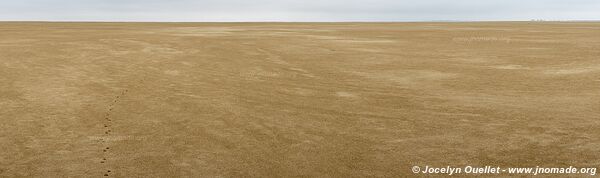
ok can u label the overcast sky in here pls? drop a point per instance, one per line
(297, 10)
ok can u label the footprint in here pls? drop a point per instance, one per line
(108, 125)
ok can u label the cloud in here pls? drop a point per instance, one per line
(298, 10)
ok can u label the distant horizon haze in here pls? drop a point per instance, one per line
(298, 11)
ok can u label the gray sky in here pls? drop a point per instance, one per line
(297, 10)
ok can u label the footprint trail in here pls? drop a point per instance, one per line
(107, 124)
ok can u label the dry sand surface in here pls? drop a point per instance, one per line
(295, 99)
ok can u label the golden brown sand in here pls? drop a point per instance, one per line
(295, 99)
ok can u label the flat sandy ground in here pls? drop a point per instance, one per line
(295, 99)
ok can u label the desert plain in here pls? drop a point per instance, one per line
(295, 99)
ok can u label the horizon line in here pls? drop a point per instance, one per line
(266, 21)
